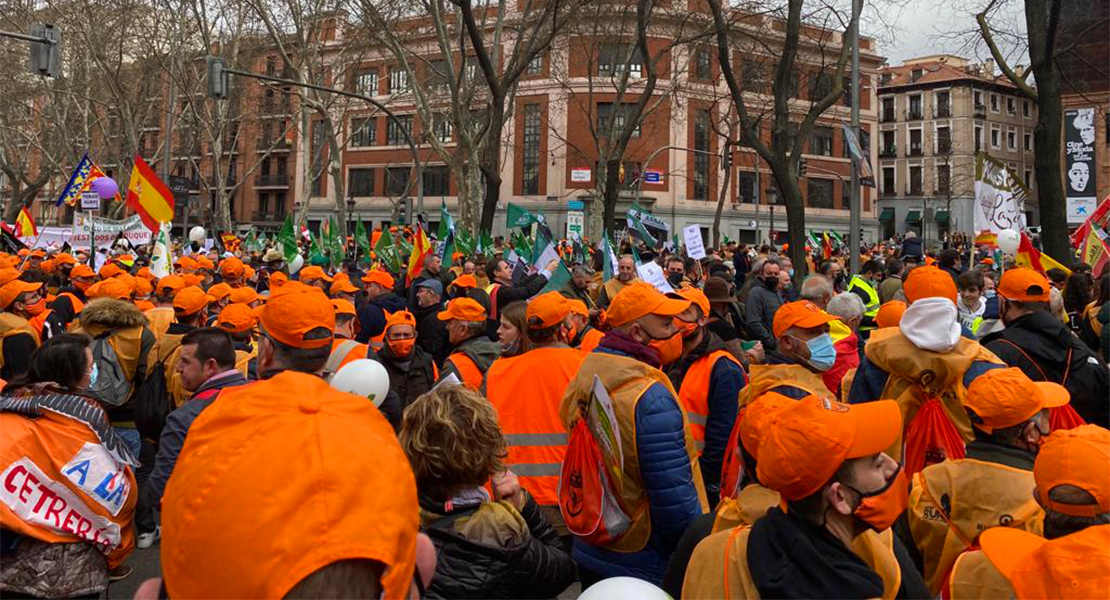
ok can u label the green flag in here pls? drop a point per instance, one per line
(609, 259)
(336, 246)
(386, 252)
(446, 223)
(361, 239)
(287, 238)
(485, 243)
(518, 217)
(521, 245)
(634, 219)
(464, 242)
(836, 236)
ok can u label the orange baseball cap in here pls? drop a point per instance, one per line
(110, 270)
(379, 277)
(1071, 567)
(220, 540)
(219, 291)
(142, 287)
(805, 442)
(578, 307)
(343, 307)
(1024, 285)
(170, 284)
(987, 261)
(465, 281)
(38, 253)
(243, 295)
(755, 417)
(81, 271)
(11, 290)
(203, 262)
(463, 309)
(232, 267)
(890, 314)
(1077, 457)
(1003, 398)
(64, 258)
(109, 288)
(293, 311)
(23, 251)
(929, 282)
(190, 299)
(342, 286)
(640, 298)
(187, 264)
(192, 279)
(236, 318)
(547, 310)
(696, 296)
(313, 273)
(401, 317)
(8, 274)
(248, 272)
(802, 314)
(47, 266)
(278, 279)
(145, 273)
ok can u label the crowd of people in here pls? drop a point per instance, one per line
(934, 424)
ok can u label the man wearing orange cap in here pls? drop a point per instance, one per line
(232, 271)
(709, 380)
(412, 372)
(342, 289)
(954, 500)
(585, 335)
(20, 301)
(219, 297)
(662, 489)
(472, 352)
(71, 300)
(239, 321)
(316, 277)
(928, 340)
(212, 526)
(190, 307)
(380, 302)
(1072, 561)
(344, 348)
(890, 314)
(841, 492)
(1044, 348)
(805, 351)
(535, 432)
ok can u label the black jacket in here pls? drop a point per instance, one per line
(537, 566)
(504, 295)
(431, 333)
(410, 378)
(371, 315)
(1045, 349)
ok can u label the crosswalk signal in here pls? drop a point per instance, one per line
(217, 77)
(46, 53)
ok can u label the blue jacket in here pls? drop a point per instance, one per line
(669, 484)
(371, 316)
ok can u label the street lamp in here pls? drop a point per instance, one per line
(350, 222)
(773, 199)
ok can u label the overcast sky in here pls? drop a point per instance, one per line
(923, 28)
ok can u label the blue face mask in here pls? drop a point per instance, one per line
(790, 272)
(822, 353)
(93, 375)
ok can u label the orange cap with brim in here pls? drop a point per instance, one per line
(465, 281)
(243, 295)
(295, 310)
(142, 287)
(219, 291)
(313, 273)
(8, 274)
(11, 290)
(755, 417)
(170, 284)
(379, 277)
(546, 310)
(1003, 398)
(343, 307)
(1075, 566)
(203, 262)
(1024, 285)
(578, 307)
(236, 318)
(806, 442)
(81, 271)
(109, 288)
(1078, 457)
(278, 279)
(342, 286)
(110, 270)
(187, 264)
(145, 273)
(802, 314)
(248, 272)
(890, 314)
(640, 298)
(232, 267)
(192, 279)
(463, 309)
(401, 317)
(696, 296)
(64, 258)
(929, 282)
(189, 300)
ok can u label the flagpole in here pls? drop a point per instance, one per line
(33, 246)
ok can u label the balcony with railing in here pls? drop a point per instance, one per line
(980, 111)
(888, 151)
(913, 113)
(942, 111)
(269, 217)
(280, 145)
(272, 180)
(887, 115)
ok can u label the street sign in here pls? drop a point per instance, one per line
(180, 186)
(751, 222)
(580, 175)
(653, 177)
(576, 205)
(90, 201)
(575, 221)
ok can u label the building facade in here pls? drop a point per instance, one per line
(935, 114)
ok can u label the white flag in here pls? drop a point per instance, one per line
(160, 262)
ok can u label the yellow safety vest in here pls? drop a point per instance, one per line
(767, 377)
(872, 305)
(952, 502)
(746, 508)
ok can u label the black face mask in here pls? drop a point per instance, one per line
(674, 278)
(772, 282)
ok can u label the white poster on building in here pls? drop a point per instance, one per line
(999, 196)
(107, 230)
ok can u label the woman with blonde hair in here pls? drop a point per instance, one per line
(499, 547)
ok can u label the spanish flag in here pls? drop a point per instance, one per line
(25, 225)
(421, 248)
(1028, 256)
(148, 196)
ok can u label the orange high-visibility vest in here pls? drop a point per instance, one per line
(530, 421)
(39, 320)
(749, 505)
(591, 340)
(344, 351)
(74, 301)
(469, 372)
(694, 394)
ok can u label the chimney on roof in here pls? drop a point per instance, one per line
(1019, 70)
(988, 67)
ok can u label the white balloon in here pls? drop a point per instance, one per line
(623, 587)
(296, 264)
(363, 377)
(1008, 241)
(196, 234)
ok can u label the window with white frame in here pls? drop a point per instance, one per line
(441, 127)
(1011, 105)
(1011, 140)
(1027, 139)
(1025, 112)
(364, 131)
(1028, 178)
(994, 103)
(398, 80)
(366, 82)
(996, 137)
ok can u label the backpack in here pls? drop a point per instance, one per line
(587, 502)
(931, 438)
(111, 387)
(152, 405)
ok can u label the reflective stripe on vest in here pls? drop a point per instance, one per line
(469, 373)
(694, 394)
(338, 353)
(873, 303)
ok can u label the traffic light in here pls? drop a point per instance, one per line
(407, 207)
(46, 55)
(217, 77)
(802, 167)
(726, 158)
